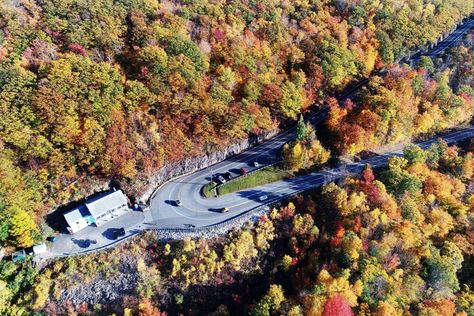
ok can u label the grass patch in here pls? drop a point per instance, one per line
(260, 177)
(209, 189)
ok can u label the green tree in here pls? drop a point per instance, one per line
(178, 44)
(414, 154)
(155, 58)
(426, 62)
(440, 270)
(300, 129)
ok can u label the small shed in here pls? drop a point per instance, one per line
(39, 249)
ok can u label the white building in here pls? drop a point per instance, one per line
(97, 210)
(77, 219)
(105, 207)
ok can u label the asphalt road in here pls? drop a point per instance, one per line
(201, 212)
(452, 39)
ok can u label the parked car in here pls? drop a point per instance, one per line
(118, 233)
(243, 171)
(178, 203)
(263, 197)
(224, 210)
(221, 179)
(256, 164)
(228, 175)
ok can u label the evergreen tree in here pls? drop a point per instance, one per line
(300, 129)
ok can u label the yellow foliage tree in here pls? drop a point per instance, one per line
(5, 297)
(23, 228)
(340, 285)
(41, 290)
(317, 154)
(293, 156)
(386, 309)
(351, 245)
(264, 232)
(240, 248)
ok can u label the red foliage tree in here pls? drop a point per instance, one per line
(368, 175)
(77, 49)
(271, 93)
(287, 212)
(338, 234)
(349, 105)
(337, 306)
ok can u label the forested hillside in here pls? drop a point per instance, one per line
(116, 89)
(405, 103)
(394, 241)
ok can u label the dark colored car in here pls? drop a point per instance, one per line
(119, 232)
(51, 238)
(228, 175)
(243, 171)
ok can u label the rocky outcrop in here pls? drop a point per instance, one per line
(103, 289)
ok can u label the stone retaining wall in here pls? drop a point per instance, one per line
(189, 165)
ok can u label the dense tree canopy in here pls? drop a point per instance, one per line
(94, 89)
(354, 247)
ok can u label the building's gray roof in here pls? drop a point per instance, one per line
(76, 214)
(105, 202)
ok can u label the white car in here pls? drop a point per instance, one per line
(178, 203)
(221, 179)
(263, 197)
(255, 164)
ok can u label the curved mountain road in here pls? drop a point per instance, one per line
(201, 212)
(197, 211)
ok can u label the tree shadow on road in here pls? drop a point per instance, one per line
(84, 243)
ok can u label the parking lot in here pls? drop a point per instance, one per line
(92, 237)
